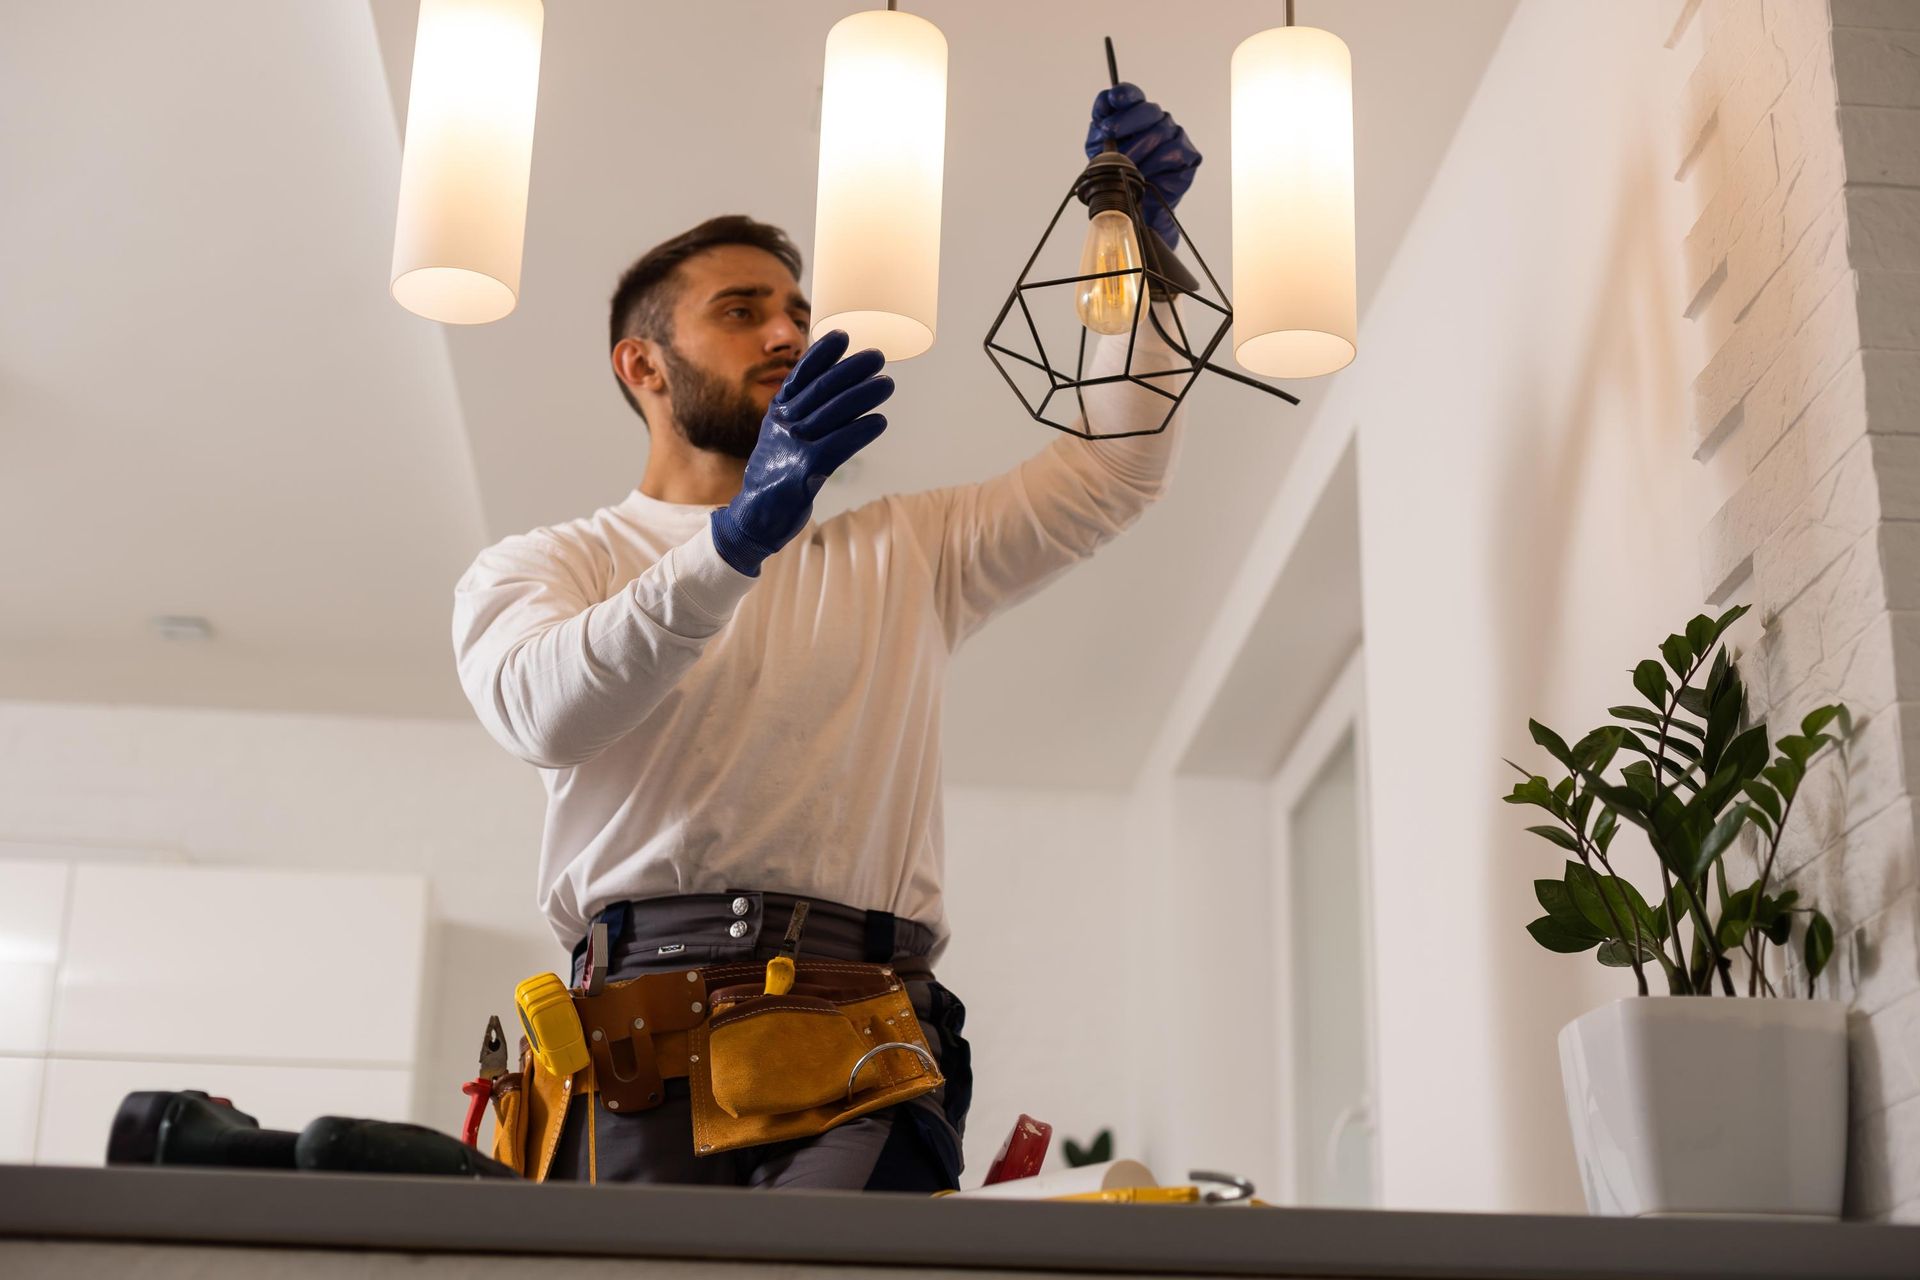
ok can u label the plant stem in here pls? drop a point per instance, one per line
(1639, 965)
(1660, 790)
(1668, 905)
(1766, 870)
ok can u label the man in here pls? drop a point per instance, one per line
(736, 707)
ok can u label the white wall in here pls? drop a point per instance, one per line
(312, 792)
(1528, 515)
(1529, 509)
(1035, 895)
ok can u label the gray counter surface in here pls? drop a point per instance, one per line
(431, 1215)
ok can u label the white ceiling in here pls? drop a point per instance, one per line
(209, 405)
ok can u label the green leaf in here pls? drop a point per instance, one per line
(1728, 618)
(1556, 745)
(1604, 827)
(1743, 759)
(1694, 701)
(1820, 717)
(1715, 843)
(1639, 779)
(1819, 946)
(1723, 720)
(1800, 748)
(1717, 676)
(1673, 837)
(1596, 751)
(1551, 936)
(1099, 1152)
(1785, 775)
(1587, 889)
(1534, 791)
(1672, 908)
(1748, 752)
(1765, 797)
(1701, 633)
(1734, 919)
(1617, 953)
(1779, 929)
(1640, 715)
(1677, 771)
(1627, 804)
(1678, 652)
(1557, 898)
(1558, 835)
(1675, 745)
(1650, 678)
(1563, 791)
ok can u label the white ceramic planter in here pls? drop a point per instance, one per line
(1698, 1105)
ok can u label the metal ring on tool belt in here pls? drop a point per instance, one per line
(866, 1057)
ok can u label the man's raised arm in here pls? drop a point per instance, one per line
(995, 543)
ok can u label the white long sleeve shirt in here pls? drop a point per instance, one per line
(701, 731)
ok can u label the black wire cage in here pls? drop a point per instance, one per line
(1112, 181)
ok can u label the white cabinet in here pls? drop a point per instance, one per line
(218, 965)
(19, 1090)
(296, 994)
(33, 903)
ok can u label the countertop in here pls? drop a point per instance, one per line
(307, 1212)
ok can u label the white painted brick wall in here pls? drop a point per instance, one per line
(1800, 131)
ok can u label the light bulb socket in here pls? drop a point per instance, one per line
(1111, 183)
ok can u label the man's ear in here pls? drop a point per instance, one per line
(636, 362)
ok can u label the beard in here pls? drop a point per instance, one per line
(714, 415)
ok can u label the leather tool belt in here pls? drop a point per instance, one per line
(841, 1042)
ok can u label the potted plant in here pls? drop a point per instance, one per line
(1688, 1103)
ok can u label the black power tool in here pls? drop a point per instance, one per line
(191, 1128)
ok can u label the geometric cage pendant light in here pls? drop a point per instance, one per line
(1099, 278)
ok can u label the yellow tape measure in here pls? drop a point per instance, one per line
(552, 1024)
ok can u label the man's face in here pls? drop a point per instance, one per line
(739, 324)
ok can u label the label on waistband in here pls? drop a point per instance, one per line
(672, 949)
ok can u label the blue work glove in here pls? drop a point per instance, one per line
(822, 416)
(1151, 139)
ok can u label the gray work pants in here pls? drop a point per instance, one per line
(913, 1147)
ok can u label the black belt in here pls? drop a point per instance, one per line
(880, 930)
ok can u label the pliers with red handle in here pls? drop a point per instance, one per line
(479, 1090)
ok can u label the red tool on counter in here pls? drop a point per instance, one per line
(1022, 1154)
(479, 1090)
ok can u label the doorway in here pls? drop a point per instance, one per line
(1323, 955)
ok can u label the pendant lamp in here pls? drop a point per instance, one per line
(469, 148)
(1293, 235)
(1123, 267)
(883, 130)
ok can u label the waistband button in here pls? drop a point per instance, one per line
(740, 906)
(738, 928)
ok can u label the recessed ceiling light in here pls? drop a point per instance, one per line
(182, 627)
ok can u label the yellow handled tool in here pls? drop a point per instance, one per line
(552, 1024)
(780, 970)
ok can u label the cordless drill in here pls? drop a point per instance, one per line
(189, 1127)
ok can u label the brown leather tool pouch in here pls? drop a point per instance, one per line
(510, 1120)
(544, 1100)
(768, 1068)
(637, 1033)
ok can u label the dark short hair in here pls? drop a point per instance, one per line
(642, 305)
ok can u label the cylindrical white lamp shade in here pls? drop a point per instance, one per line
(883, 142)
(1293, 281)
(469, 150)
